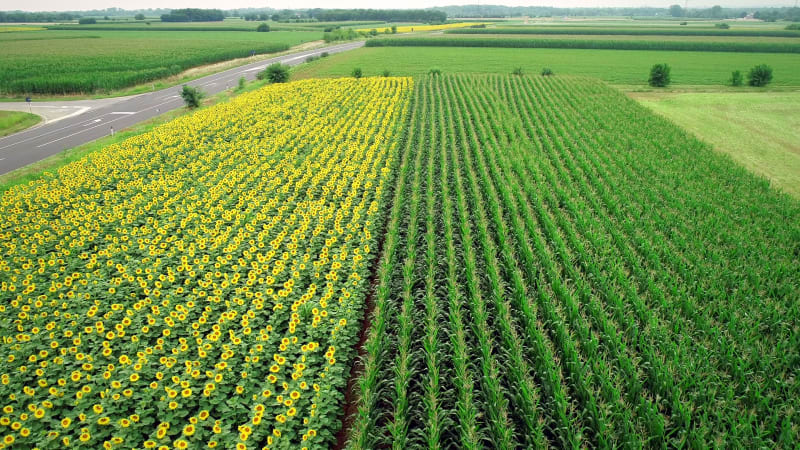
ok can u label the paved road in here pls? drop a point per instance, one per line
(29, 146)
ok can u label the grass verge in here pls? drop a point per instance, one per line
(13, 121)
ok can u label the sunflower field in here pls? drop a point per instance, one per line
(202, 284)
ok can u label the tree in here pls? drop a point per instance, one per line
(716, 11)
(275, 73)
(659, 75)
(263, 28)
(139, 16)
(192, 96)
(759, 75)
(676, 11)
(736, 78)
(357, 73)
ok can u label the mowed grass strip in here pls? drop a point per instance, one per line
(620, 67)
(761, 131)
(13, 121)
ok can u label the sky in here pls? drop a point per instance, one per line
(78, 5)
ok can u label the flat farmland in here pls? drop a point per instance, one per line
(620, 67)
(81, 62)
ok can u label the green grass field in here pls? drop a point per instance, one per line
(13, 121)
(629, 37)
(761, 131)
(619, 67)
(70, 62)
(230, 24)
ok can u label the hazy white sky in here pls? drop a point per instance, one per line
(77, 5)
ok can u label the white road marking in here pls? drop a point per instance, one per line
(2, 159)
(93, 122)
(123, 112)
(100, 125)
(49, 132)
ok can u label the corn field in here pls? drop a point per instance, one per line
(553, 277)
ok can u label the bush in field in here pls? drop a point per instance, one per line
(263, 28)
(759, 75)
(435, 71)
(275, 73)
(722, 26)
(659, 75)
(547, 72)
(386, 73)
(394, 29)
(192, 96)
(736, 78)
(242, 82)
(357, 73)
(139, 16)
(518, 71)
(87, 21)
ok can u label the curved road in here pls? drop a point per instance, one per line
(26, 147)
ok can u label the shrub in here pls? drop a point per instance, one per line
(275, 73)
(87, 21)
(242, 82)
(736, 78)
(435, 71)
(386, 73)
(684, 23)
(312, 58)
(324, 55)
(759, 75)
(722, 26)
(357, 73)
(139, 16)
(394, 29)
(546, 72)
(794, 26)
(262, 28)
(192, 96)
(659, 75)
(518, 71)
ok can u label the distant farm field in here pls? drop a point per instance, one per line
(761, 131)
(622, 67)
(70, 62)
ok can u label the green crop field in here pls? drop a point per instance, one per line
(761, 131)
(641, 31)
(621, 67)
(230, 24)
(69, 62)
(633, 37)
(564, 268)
(595, 44)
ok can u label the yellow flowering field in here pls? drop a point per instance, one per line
(201, 284)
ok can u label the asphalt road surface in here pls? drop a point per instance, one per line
(26, 147)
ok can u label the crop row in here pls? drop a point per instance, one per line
(563, 268)
(695, 46)
(203, 283)
(644, 31)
